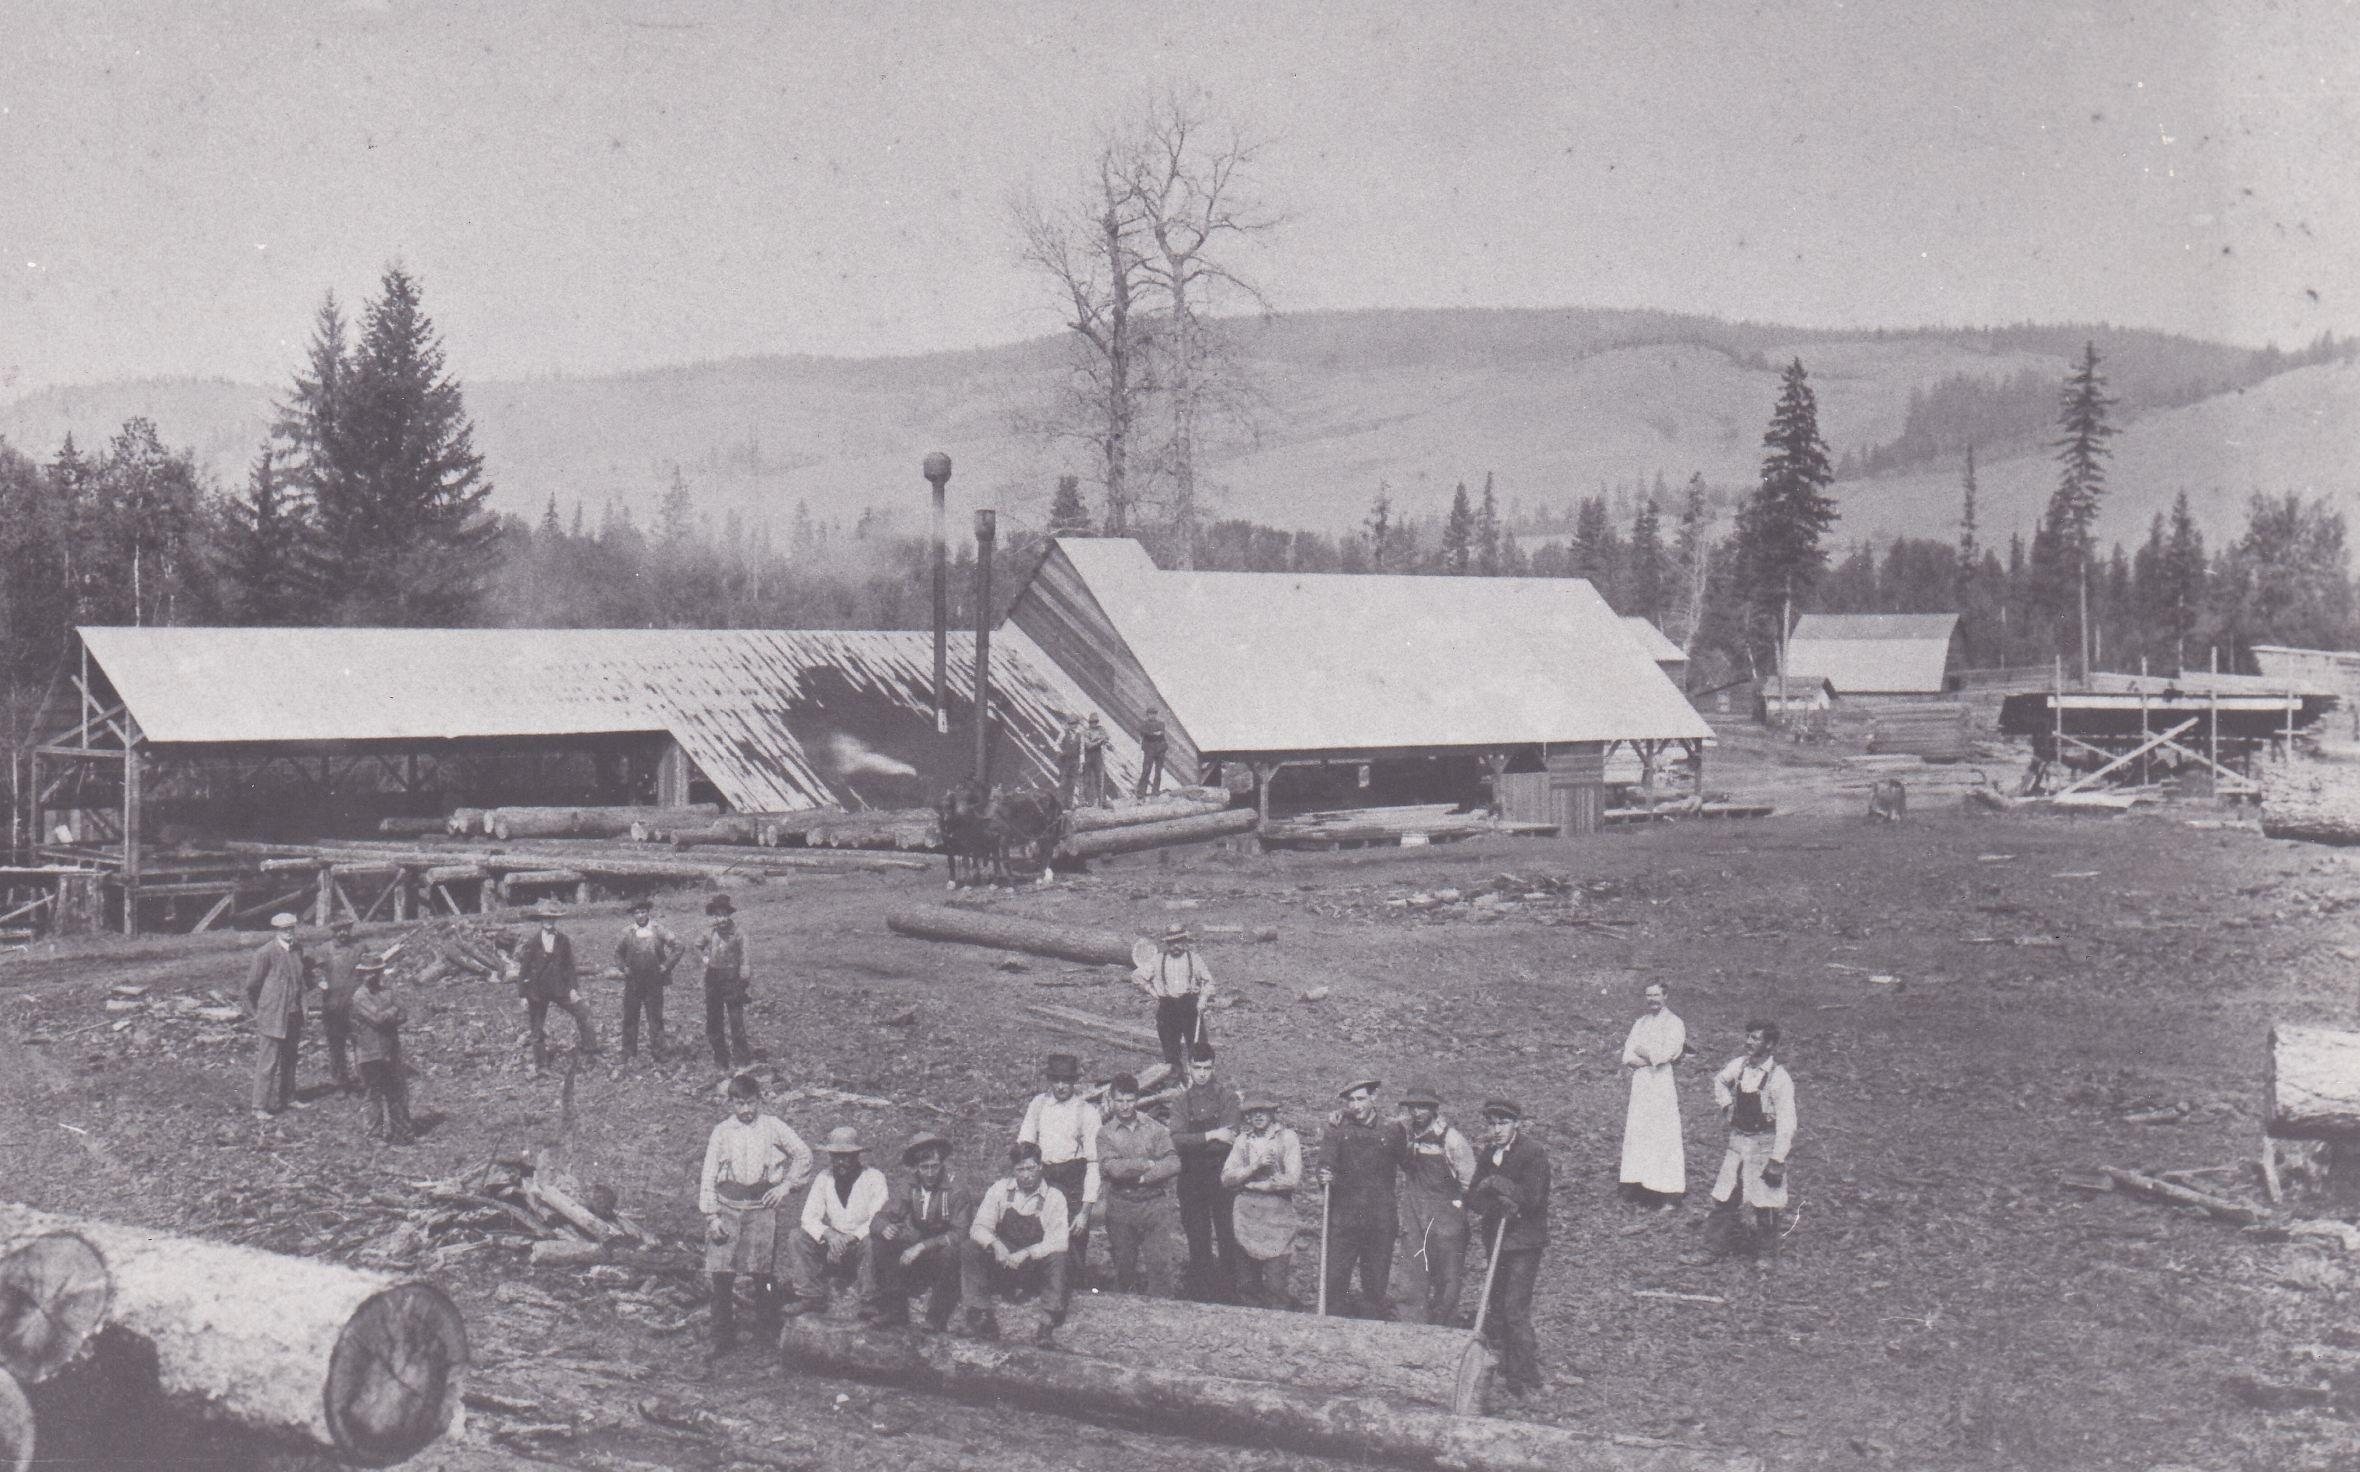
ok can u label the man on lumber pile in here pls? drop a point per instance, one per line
(1435, 1178)
(1170, 971)
(1064, 1127)
(1018, 1241)
(1511, 1197)
(753, 1162)
(1264, 1168)
(274, 995)
(1359, 1162)
(543, 970)
(1152, 745)
(1757, 1097)
(646, 955)
(723, 951)
(1654, 1157)
(342, 980)
(1205, 1123)
(1136, 1162)
(919, 1234)
(837, 1218)
(1069, 761)
(1094, 739)
(377, 1020)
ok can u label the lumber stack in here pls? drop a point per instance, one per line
(2318, 802)
(2311, 1084)
(1007, 933)
(1936, 731)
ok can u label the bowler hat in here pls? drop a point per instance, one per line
(842, 1140)
(1354, 1087)
(1502, 1109)
(920, 1143)
(548, 910)
(284, 920)
(1063, 1066)
(720, 904)
(1422, 1094)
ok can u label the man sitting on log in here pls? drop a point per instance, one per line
(1757, 1097)
(723, 951)
(1136, 1162)
(274, 994)
(1170, 971)
(1018, 1241)
(646, 955)
(1264, 1168)
(1205, 1123)
(377, 1019)
(341, 981)
(837, 1217)
(544, 971)
(1512, 1196)
(1064, 1127)
(753, 1162)
(919, 1233)
(1440, 1168)
(1359, 1164)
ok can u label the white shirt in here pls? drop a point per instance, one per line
(1778, 1096)
(1048, 1203)
(1175, 976)
(1065, 1130)
(1282, 1146)
(764, 1153)
(825, 1211)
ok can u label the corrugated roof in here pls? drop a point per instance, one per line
(1271, 662)
(1873, 653)
(1875, 626)
(766, 714)
(1656, 644)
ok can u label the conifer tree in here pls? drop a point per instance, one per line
(1458, 533)
(1643, 576)
(269, 554)
(1069, 514)
(2062, 546)
(1779, 555)
(1487, 533)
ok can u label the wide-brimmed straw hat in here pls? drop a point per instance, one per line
(1354, 1087)
(920, 1143)
(842, 1140)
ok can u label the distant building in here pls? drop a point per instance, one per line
(1872, 657)
(1668, 657)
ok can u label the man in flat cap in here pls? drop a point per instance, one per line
(377, 1023)
(1136, 1163)
(1063, 1126)
(646, 955)
(917, 1236)
(544, 972)
(723, 952)
(274, 996)
(1511, 1197)
(1264, 1168)
(1018, 1240)
(1170, 971)
(1359, 1163)
(838, 1217)
(1434, 1182)
(1205, 1123)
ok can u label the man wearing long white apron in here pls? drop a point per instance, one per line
(1654, 1159)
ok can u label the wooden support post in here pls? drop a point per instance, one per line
(1264, 774)
(401, 895)
(323, 907)
(444, 894)
(131, 816)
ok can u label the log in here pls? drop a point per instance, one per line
(1413, 1363)
(454, 873)
(1202, 829)
(16, 1428)
(1125, 814)
(2311, 1084)
(1112, 1025)
(507, 823)
(2221, 1208)
(412, 827)
(573, 1211)
(53, 1297)
(358, 1363)
(465, 822)
(1033, 937)
(1253, 1412)
(541, 876)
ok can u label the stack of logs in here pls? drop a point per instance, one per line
(568, 1222)
(1188, 815)
(363, 1366)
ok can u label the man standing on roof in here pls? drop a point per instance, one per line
(342, 979)
(723, 951)
(543, 970)
(274, 997)
(1512, 1197)
(646, 955)
(919, 1233)
(1757, 1096)
(1094, 738)
(1064, 1127)
(1069, 760)
(1205, 1124)
(1264, 1168)
(1181, 983)
(1136, 1163)
(1152, 745)
(1654, 1158)
(1358, 1164)
(1435, 1178)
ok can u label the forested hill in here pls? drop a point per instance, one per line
(1555, 405)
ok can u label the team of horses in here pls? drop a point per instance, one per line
(992, 836)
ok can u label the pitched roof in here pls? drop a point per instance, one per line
(1272, 662)
(1654, 641)
(1875, 626)
(776, 719)
(1873, 653)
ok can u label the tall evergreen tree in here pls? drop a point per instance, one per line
(1458, 533)
(268, 559)
(2062, 547)
(1968, 556)
(1069, 514)
(1779, 531)
(1643, 565)
(1487, 533)
(1692, 556)
(1379, 525)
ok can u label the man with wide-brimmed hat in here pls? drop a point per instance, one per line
(1205, 1123)
(646, 955)
(377, 1022)
(340, 978)
(544, 973)
(838, 1216)
(917, 1235)
(1064, 1126)
(1169, 970)
(1019, 1240)
(1434, 1182)
(1136, 1163)
(1511, 1196)
(1359, 1164)
(753, 1163)
(1264, 1168)
(274, 996)
(727, 986)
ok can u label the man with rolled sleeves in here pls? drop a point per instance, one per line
(1136, 1163)
(918, 1235)
(839, 1217)
(341, 973)
(1757, 1097)
(646, 955)
(274, 997)
(1511, 1198)
(1434, 1182)
(1263, 1170)
(1359, 1164)
(1205, 1123)
(1064, 1126)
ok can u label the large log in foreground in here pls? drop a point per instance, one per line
(1201, 829)
(2311, 1084)
(1253, 1412)
(16, 1428)
(1001, 932)
(53, 1297)
(1418, 1363)
(357, 1363)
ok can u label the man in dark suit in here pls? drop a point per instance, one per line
(1512, 1194)
(274, 993)
(544, 972)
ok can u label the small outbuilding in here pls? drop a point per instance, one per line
(1874, 657)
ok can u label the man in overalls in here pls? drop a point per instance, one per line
(1018, 1240)
(1758, 1097)
(1434, 1185)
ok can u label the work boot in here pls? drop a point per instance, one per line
(766, 1311)
(724, 1313)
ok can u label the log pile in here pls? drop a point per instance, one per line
(507, 823)
(1166, 833)
(1185, 802)
(2318, 802)
(1439, 822)
(2311, 1084)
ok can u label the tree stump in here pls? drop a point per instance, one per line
(53, 1297)
(2311, 1084)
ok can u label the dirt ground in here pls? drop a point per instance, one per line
(1972, 1005)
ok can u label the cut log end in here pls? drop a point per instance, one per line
(53, 1297)
(395, 1378)
(16, 1427)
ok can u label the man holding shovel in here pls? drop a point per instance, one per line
(1511, 1197)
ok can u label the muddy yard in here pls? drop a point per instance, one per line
(1972, 1006)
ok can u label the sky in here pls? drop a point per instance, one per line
(594, 187)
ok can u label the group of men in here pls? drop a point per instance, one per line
(1756, 1096)
(361, 1022)
(646, 955)
(1081, 760)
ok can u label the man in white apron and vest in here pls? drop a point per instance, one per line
(1264, 1168)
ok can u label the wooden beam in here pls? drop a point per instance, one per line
(214, 914)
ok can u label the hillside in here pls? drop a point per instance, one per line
(1553, 404)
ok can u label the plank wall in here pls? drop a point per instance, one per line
(1058, 612)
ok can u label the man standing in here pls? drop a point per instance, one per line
(646, 955)
(1064, 1127)
(544, 973)
(723, 952)
(752, 1163)
(1654, 1158)
(274, 995)
(837, 1217)
(377, 1023)
(1264, 1168)
(1358, 1163)
(919, 1233)
(1152, 745)
(343, 980)
(1018, 1239)
(1181, 983)
(1435, 1178)
(1094, 794)
(1757, 1097)
(1069, 761)
(1204, 1125)
(1136, 1162)
(1512, 1198)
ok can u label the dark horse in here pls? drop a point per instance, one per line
(991, 837)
